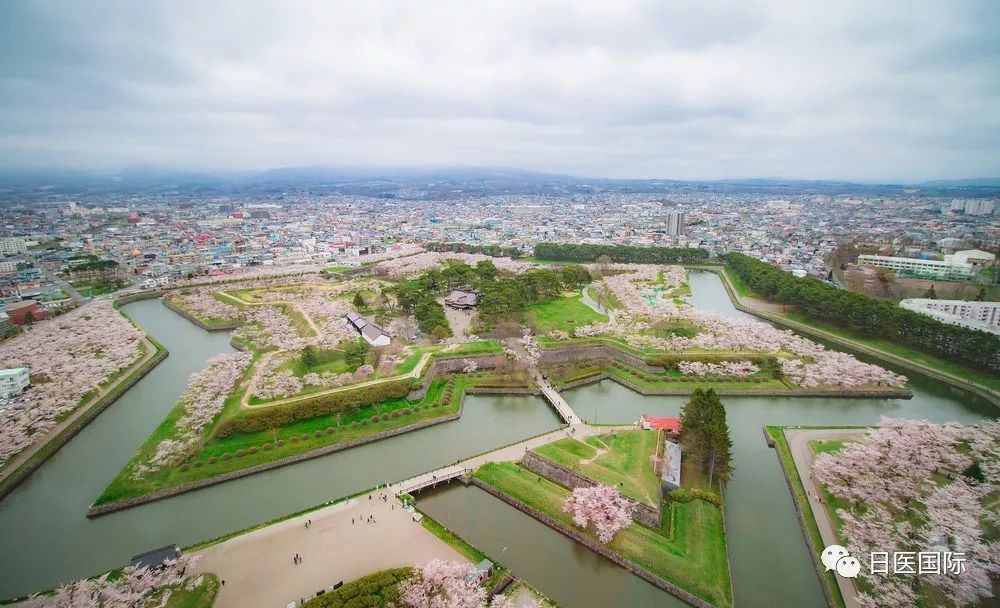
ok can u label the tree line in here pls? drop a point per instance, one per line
(494, 251)
(625, 254)
(867, 316)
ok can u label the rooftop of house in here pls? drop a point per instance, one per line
(669, 424)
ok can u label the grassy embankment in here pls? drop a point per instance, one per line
(828, 578)
(620, 459)
(689, 550)
(219, 456)
(893, 349)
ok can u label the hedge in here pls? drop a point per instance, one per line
(322, 405)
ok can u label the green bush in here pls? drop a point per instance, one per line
(226, 456)
(267, 446)
(252, 450)
(212, 460)
(240, 453)
(373, 591)
(689, 494)
(322, 405)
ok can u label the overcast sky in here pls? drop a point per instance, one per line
(674, 89)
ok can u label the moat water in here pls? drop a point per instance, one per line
(47, 539)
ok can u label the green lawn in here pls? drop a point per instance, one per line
(621, 458)
(563, 313)
(202, 596)
(691, 556)
(288, 440)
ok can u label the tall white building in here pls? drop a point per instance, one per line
(675, 223)
(984, 316)
(13, 382)
(977, 206)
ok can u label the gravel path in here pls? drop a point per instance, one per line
(803, 456)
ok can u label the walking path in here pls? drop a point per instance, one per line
(414, 373)
(590, 302)
(14, 464)
(258, 566)
(803, 456)
(567, 413)
(510, 453)
(336, 549)
(312, 325)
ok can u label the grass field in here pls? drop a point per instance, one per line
(202, 596)
(296, 438)
(563, 313)
(693, 557)
(621, 458)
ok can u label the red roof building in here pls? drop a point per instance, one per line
(672, 426)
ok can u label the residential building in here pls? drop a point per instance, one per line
(984, 316)
(13, 382)
(915, 267)
(977, 206)
(12, 245)
(6, 325)
(25, 312)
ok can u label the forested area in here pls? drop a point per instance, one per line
(495, 251)
(867, 316)
(499, 295)
(624, 254)
(705, 435)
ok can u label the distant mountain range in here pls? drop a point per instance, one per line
(445, 182)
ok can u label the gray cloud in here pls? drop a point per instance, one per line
(856, 90)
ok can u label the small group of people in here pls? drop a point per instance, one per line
(309, 523)
(297, 559)
(368, 520)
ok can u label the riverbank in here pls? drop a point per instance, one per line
(818, 533)
(253, 453)
(679, 558)
(907, 362)
(28, 461)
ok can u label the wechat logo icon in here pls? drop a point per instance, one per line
(837, 558)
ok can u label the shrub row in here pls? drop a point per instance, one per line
(323, 405)
(689, 494)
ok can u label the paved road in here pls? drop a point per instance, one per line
(803, 456)
(65, 286)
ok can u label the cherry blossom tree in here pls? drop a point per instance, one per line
(601, 506)
(443, 584)
(134, 588)
(68, 358)
(906, 489)
(202, 402)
